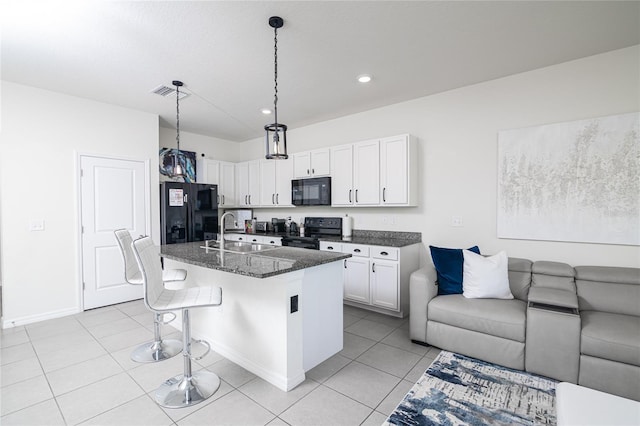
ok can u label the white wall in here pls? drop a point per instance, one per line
(457, 132)
(42, 132)
(213, 148)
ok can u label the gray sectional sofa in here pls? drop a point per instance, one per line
(580, 325)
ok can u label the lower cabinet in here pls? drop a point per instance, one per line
(251, 238)
(377, 277)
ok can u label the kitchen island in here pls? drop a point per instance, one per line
(281, 312)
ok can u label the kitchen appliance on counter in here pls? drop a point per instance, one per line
(188, 212)
(236, 222)
(311, 192)
(314, 229)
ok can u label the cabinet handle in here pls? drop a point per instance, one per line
(356, 250)
(313, 171)
(330, 248)
(278, 198)
(373, 267)
(272, 242)
(240, 238)
(186, 198)
(249, 198)
(384, 253)
(254, 240)
(308, 171)
(384, 195)
(223, 199)
(345, 264)
(218, 199)
(273, 198)
(350, 195)
(356, 195)
(245, 200)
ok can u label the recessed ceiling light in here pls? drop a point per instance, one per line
(364, 78)
(265, 111)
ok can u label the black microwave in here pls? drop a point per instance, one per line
(311, 192)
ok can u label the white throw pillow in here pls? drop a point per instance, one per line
(485, 277)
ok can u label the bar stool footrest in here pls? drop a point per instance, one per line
(157, 351)
(180, 392)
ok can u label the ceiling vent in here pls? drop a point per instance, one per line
(165, 91)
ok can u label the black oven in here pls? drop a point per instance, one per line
(311, 192)
(315, 228)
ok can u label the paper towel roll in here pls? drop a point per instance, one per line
(347, 225)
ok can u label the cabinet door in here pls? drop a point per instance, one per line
(254, 183)
(242, 184)
(302, 165)
(394, 170)
(384, 284)
(284, 174)
(320, 163)
(227, 187)
(268, 182)
(342, 175)
(356, 280)
(366, 173)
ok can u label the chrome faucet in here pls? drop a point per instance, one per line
(221, 240)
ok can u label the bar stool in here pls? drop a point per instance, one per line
(158, 349)
(189, 388)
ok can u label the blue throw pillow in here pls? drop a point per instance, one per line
(448, 263)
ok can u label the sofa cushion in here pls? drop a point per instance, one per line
(448, 263)
(609, 289)
(496, 317)
(485, 277)
(614, 337)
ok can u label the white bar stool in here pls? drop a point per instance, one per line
(158, 349)
(189, 388)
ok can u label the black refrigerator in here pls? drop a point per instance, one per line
(188, 212)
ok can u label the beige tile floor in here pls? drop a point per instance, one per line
(77, 370)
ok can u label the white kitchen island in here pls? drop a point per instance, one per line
(255, 326)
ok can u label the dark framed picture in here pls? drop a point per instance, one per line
(187, 160)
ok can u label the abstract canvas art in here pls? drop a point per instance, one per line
(187, 160)
(575, 181)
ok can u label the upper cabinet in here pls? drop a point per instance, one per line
(311, 164)
(248, 183)
(275, 183)
(380, 172)
(219, 173)
(399, 171)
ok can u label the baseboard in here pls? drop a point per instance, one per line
(30, 319)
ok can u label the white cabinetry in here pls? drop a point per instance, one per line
(381, 172)
(355, 174)
(275, 183)
(377, 277)
(251, 238)
(311, 164)
(248, 183)
(219, 173)
(399, 171)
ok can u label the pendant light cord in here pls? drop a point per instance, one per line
(178, 117)
(275, 73)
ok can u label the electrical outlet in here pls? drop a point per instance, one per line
(294, 303)
(456, 221)
(36, 225)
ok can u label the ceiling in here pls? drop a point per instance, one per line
(117, 52)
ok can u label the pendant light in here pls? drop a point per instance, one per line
(276, 134)
(178, 158)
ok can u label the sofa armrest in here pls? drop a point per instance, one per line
(553, 297)
(422, 288)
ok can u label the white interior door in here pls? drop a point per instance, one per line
(114, 195)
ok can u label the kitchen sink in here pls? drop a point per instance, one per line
(238, 246)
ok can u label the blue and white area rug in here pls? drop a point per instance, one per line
(459, 390)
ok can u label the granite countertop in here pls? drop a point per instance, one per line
(360, 236)
(263, 264)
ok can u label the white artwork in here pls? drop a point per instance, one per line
(575, 181)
